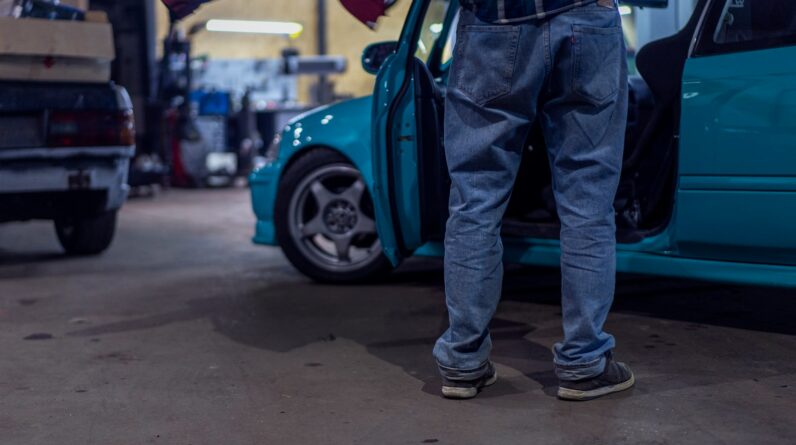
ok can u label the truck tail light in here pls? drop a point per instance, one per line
(90, 128)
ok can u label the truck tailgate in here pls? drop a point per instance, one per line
(21, 97)
(22, 130)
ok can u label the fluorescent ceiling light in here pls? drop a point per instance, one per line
(255, 27)
(625, 10)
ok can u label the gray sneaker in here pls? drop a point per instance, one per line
(467, 389)
(616, 377)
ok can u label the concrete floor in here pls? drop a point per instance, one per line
(185, 333)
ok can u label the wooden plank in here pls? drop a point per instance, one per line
(97, 16)
(56, 38)
(79, 4)
(48, 68)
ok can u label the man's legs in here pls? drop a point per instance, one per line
(497, 74)
(575, 62)
(584, 118)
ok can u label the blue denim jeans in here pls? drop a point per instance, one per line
(570, 72)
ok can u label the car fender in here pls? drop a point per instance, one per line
(344, 127)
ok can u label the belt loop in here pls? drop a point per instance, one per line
(540, 12)
(501, 10)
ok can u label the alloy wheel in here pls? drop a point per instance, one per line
(331, 219)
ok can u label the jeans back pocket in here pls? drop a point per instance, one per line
(597, 54)
(485, 58)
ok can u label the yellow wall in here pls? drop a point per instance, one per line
(346, 36)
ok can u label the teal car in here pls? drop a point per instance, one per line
(708, 189)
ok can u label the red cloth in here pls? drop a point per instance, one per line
(182, 8)
(367, 11)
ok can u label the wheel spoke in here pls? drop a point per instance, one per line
(313, 226)
(343, 246)
(364, 225)
(322, 195)
(354, 193)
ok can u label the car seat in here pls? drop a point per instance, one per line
(648, 169)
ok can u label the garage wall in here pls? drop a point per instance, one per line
(346, 36)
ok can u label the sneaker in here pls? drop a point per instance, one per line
(467, 389)
(616, 377)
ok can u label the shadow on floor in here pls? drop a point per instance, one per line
(9, 258)
(398, 321)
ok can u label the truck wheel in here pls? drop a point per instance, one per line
(325, 222)
(86, 235)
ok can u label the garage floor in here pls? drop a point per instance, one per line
(185, 333)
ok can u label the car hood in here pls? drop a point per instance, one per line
(356, 111)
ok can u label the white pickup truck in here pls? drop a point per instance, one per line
(65, 150)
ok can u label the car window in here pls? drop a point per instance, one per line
(450, 42)
(746, 25)
(755, 20)
(432, 27)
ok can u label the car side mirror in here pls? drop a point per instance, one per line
(646, 3)
(375, 54)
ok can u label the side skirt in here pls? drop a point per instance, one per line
(652, 264)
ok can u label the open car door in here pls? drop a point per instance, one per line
(737, 191)
(410, 176)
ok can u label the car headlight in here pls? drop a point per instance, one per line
(273, 150)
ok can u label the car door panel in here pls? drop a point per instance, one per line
(409, 172)
(737, 192)
(738, 114)
(390, 78)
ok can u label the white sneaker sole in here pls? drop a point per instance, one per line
(574, 394)
(454, 392)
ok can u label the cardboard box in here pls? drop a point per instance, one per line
(55, 50)
(79, 4)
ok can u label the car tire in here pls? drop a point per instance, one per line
(86, 235)
(296, 193)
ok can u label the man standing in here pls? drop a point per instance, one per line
(562, 62)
